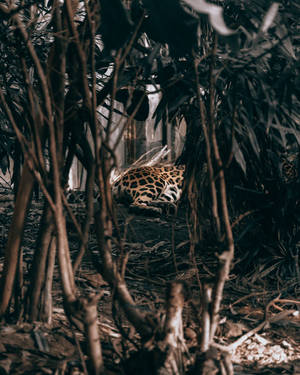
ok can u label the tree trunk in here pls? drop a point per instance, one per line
(13, 246)
(38, 270)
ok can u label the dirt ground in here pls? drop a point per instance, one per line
(159, 252)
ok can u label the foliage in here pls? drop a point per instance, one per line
(257, 108)
(236, 85)
(256, 83)
(260, 85)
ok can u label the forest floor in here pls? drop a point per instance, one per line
(159, 252)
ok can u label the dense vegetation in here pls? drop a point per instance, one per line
(232, 76)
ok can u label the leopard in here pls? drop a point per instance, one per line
(150, 189)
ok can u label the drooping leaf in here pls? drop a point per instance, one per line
(269, 17)
(215, 15)
(181, 99)
(238, 155)
(253, 141)
(282, 132)
(286, 44)
(159, 111)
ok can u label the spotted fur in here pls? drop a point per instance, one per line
(150, 188)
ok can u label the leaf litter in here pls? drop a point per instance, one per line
(262, 336)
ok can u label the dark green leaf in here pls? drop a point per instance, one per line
(238, 155)
(253, 141)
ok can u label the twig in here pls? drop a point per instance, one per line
(226, 257)
(242, 216)
(205, 319)
(72, 216)
(80, 353)
(242, 339)
(246, 297)
(283, 301)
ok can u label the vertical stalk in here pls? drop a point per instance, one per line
(15, 234)
(226, 257)
(213, 190)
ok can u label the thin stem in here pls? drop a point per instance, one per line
(226, 257)
(213, 190)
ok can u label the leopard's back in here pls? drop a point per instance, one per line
(149, 187)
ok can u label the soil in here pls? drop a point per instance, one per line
(158, 251)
